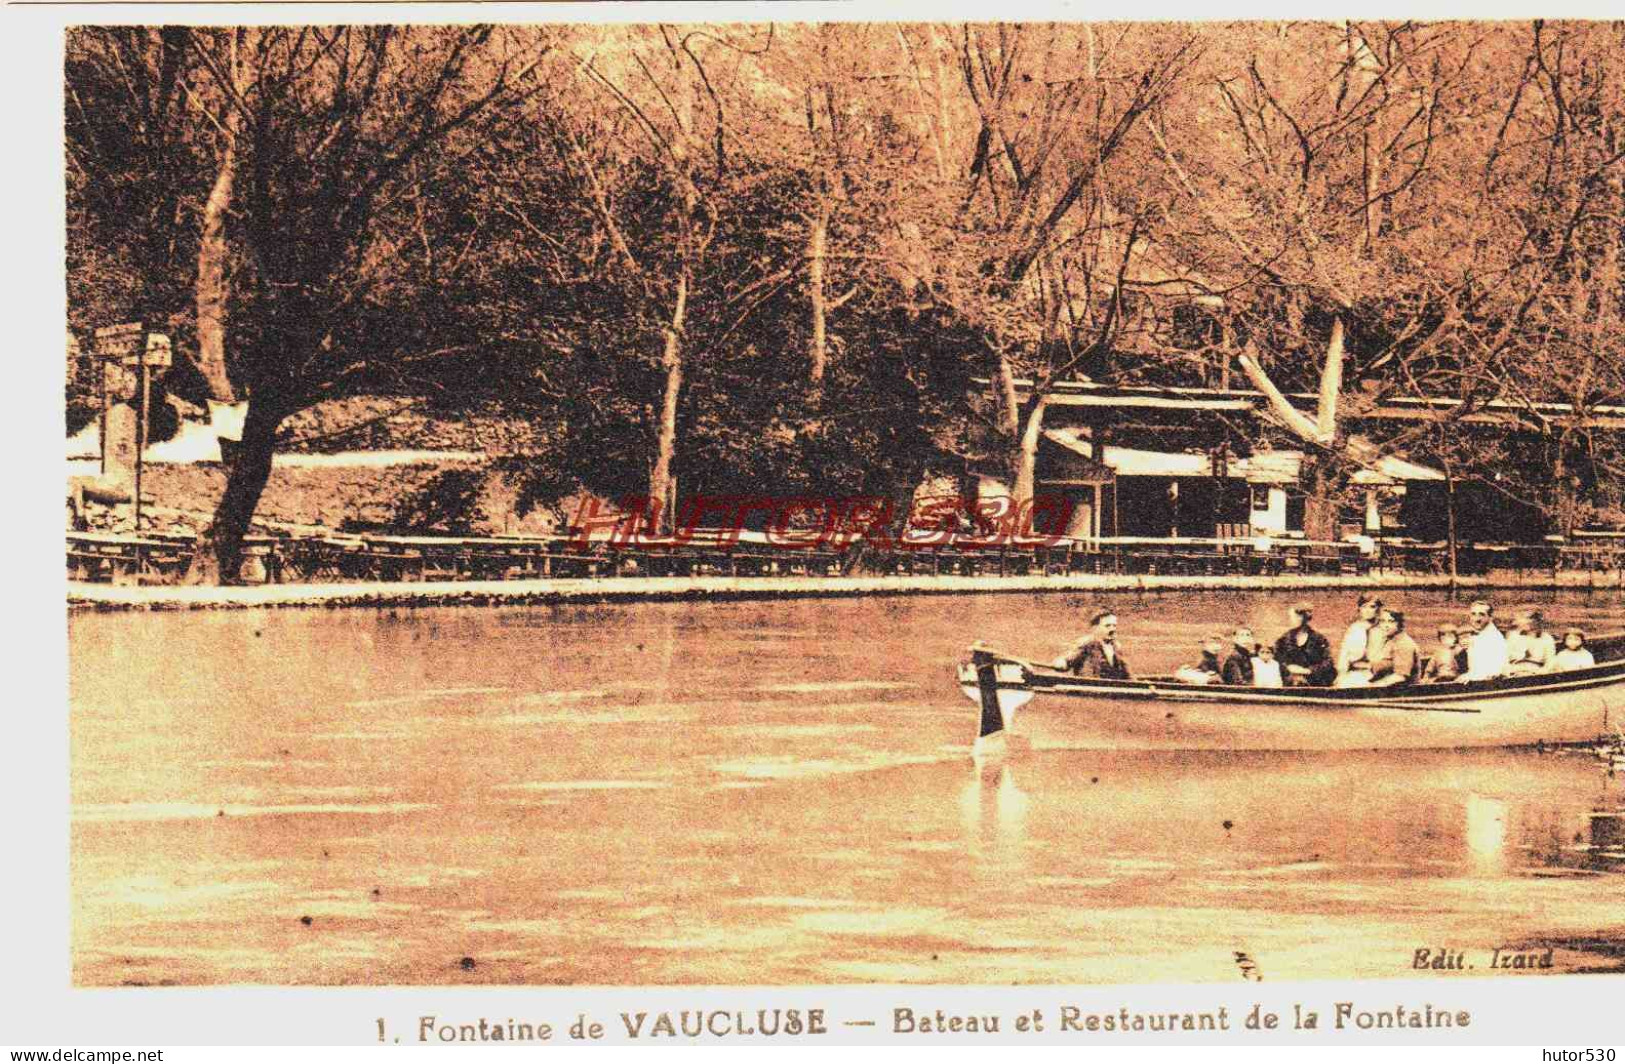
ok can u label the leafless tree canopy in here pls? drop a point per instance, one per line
(780, 254)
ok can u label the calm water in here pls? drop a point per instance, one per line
(764, 793)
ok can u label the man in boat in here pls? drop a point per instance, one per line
(1305, 655)
(1399, 660)
(1096, 654)
(1486, 646)
(1238, 667)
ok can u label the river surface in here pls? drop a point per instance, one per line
(769, 793)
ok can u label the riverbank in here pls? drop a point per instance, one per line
(725, 588)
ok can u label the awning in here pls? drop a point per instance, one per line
(1128, 462)
(1265, 467)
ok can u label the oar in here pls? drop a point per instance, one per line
(1001, 655)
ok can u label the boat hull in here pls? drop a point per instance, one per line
(1161, 714)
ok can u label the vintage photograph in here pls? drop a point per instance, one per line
(812, 503)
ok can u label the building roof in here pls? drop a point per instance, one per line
(1265, 467)
(1084, 393)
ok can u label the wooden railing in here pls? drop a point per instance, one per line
(161, 558)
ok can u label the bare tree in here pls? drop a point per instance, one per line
(328, 125)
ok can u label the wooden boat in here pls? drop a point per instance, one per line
(1160, 712)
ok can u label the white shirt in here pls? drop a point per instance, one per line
(1354, 644)
(1486, 654)
(1572, 659)
(1266, 673)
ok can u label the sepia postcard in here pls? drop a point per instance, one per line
(727, 524)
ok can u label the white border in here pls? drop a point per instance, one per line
(39, 1007)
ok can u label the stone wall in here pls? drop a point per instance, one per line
(447, 498)
(384, 423)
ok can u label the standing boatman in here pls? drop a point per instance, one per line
(1096, 654)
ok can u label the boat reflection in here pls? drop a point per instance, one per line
(1491, 815)
(1486, 833)
(993, 811)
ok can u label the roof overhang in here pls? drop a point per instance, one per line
(1264, 467)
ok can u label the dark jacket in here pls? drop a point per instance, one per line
(1089, 659)
(1238, 668)
(1315, 655)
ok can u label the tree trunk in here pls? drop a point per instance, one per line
(1009, 408)
(211, 290)
(1026, 457)
(666, 446)
(943, 141)
(1322, 472)
(220, 548)
(818, 353)
(1320, 483)
(1373, 182)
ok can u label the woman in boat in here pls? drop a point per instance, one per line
(1530, 648)
(1398, 659)
(1574, 654)
(1354, 655)
(1096, 654)
(1238, 667)
(1305, 655)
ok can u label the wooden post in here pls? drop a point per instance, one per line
(1450, 518)
(101, 426)
(140, 447)
(155, 352)
(118, 347)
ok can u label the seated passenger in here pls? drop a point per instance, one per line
(1444, 664)
(1486, 646)
(1355, 653)
(1208, 669)
(1304, 654)
(1398, 659)
(1529, 646)
(1238, 667)
(1574, 654)
(1266, 670)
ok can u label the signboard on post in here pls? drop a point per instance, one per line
(156, 356)
(158, 352)
(128, 350)
(120, 342)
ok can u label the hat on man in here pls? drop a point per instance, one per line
(1302, 609)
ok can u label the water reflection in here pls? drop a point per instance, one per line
(994, 812)
(770, 792)
(1487, 834)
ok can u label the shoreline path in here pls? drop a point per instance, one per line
(728, 588)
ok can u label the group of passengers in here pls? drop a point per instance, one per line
(1376, 651)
